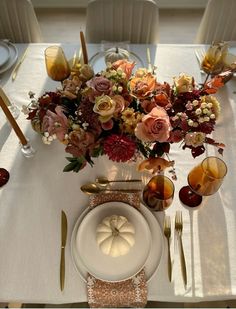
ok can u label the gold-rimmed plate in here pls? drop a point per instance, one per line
(155, 253)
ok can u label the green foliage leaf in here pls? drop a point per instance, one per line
(75, 164)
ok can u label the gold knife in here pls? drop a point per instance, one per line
(63, 245)
(15, 71)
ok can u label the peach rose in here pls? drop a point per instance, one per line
(125, 66)
(155, 126)
(105, 107)
(142, 87)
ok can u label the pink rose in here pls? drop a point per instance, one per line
(155, 126)
(125, 66)
(100, 85)
(55, 123)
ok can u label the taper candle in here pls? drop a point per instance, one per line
(84, 48)
(16, 128)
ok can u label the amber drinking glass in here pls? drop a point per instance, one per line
(158, 193)
(203, 180)
(56, 64)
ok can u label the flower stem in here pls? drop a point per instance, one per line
(208, 74)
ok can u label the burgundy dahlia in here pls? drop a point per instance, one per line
(119, 148)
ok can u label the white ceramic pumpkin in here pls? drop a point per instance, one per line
(115, 53)
(115, 235)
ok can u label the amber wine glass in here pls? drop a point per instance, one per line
(203, 180)
(56, 64)
(158, 193)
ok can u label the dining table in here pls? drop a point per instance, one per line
(38, 190)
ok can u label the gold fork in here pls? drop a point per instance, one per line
(167, 233)
(179, 229)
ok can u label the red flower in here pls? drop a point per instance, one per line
(119, 148)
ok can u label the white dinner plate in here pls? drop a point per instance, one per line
(4, 53)
(12, 59)
(97, 61)
(155, 253)
(105, 267)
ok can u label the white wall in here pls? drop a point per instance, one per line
(173, 4)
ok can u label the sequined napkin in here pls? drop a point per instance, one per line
(128, 293)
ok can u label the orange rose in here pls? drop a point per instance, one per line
(125, 66)
(142, 87)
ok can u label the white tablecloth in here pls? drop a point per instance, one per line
(31, 202)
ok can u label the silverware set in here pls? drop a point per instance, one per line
(101, 185)
(178, 234)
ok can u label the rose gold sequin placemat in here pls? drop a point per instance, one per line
(127, 293)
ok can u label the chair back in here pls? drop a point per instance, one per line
(18, 22)
(218, 22)
(135, 21)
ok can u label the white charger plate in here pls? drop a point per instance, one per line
(105, 267)
(4, 53)
(12, 59)
(155, 254)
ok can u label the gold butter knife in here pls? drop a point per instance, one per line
(63, 245)
(15, 71)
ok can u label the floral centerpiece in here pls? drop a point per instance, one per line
(125, 114)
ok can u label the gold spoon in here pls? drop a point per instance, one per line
(92, 188)
(103, 181)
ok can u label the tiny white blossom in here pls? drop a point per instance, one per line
(212, 116)
(205, 111)
(209, 105)
(113, 72)
(46, 134)
(201, 120)
(190, 122)
(198, 111)
(50, 138)
(114, 88)
(206, 118)
(75, 126)
(195, 124)
(195, 103)
(120, 88)
(123, 75)
(203, 105)
(120, 71)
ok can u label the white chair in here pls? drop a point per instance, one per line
(18, 22)
(218, 22)
(135, 21)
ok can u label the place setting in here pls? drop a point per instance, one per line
(126, 116)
